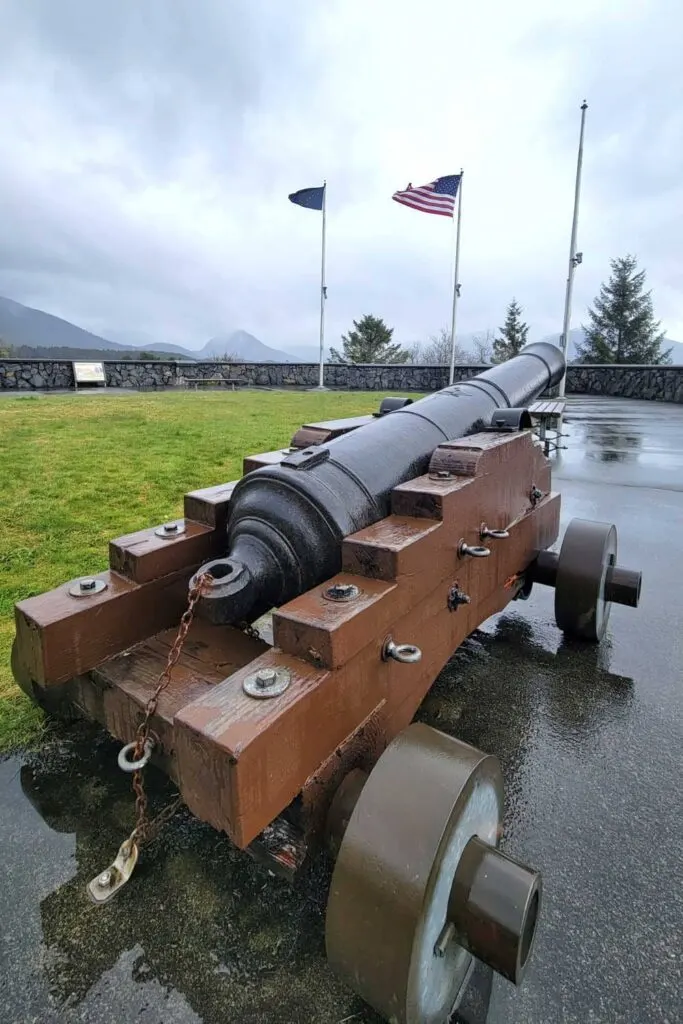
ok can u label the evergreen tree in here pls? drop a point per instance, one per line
(622, 325)
(369, 342)
(513, 334)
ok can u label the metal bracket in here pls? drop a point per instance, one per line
(306, 458)
(105, 885)
(456, 597)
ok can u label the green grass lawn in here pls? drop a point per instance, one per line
(77, 471)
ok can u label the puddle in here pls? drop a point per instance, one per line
(620, 441)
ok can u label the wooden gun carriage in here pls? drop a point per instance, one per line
(358, 559)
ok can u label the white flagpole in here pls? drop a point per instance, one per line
(456, 280)
(574, 257)
(323, 294)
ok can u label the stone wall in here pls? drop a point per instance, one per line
(38, 375)
(378, 377)
(35, 375)
(659, 383)
(656, 383)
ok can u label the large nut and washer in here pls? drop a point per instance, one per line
(341, 592)
(168, 531)
(267, 682)
(87, 586)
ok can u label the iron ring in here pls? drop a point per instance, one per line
(134, 766)
(407, 654)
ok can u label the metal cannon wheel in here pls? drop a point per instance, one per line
(389, 930)
(588, 552)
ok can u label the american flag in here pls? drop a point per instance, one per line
(436, 197)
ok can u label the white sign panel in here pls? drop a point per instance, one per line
(89, 373)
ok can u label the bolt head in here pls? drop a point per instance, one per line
(87, 584)
(266, 677)
(104, 879)
(341, 592)
(170, 527)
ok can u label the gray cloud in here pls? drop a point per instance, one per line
(149, 149)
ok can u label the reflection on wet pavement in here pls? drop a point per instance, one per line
(623, 441)
(590, 742)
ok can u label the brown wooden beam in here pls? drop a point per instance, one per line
(144, 556)
(241, 760)
(59, 636)
(210, 505)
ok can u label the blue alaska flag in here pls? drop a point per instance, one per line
(311, 198)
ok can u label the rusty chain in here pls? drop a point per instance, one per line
(250, 630)
(146, 830)
(108, 882)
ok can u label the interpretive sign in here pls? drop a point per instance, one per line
(89, 373)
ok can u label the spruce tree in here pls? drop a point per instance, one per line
(513, 334)
(369, 342)
(622, 326)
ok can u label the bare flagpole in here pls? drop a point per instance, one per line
(456, 280)
(574, 256)
(323, 294)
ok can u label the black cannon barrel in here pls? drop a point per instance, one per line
(287, 522)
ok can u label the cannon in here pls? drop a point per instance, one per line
(332, 583)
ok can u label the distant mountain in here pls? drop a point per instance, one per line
(139, 340)
(22, 325)
(244, 345)
(70, 354)
(235, 343)
(577, 336)
(34, 334)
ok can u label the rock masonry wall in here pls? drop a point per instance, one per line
(657, 383)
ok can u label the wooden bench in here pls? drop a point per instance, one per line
(196, 381)
(554, 407)
(549, 416)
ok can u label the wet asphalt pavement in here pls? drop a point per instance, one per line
(591, 744)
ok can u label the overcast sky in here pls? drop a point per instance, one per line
(148, 147)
